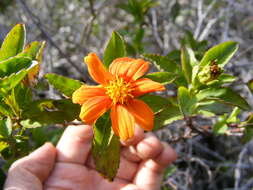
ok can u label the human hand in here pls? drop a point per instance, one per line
(69, 165)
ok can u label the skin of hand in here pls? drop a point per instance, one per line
(69, 166)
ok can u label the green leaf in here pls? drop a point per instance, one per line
(247, 134)
(166, 116)
(199, 47)
(5, 110)
(41, 135)
(174, 56)
(22, 96)
(166, 110)
(220, 126)
(188, 60)
(213, 107)
(12, 81)
(226, 78)
(30, 124)
(33, 50)
(162, 77)
(157, 103)
(65, 85)
(195, 80)
(233, 118)
(105, 148)
(221, 53)
(13, 43)
(114, 49)
(137, 40)
(19, 98)
(170, 171)
(163, 63)
(13, 65)
(248, 131)
(186, 101)
(3, 145)
(5, 127)
(51, 111)
(224, 95)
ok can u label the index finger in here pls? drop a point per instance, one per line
(75, 144)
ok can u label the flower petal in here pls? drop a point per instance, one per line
(93, 108)
(86, 92)
(122, 122)
(142, 113)
(119, 65)
(97, 70)
(144, 85)
(128, 68)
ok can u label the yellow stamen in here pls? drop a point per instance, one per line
(119, 90)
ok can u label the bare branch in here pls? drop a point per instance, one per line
(37, 22)
(155, 30)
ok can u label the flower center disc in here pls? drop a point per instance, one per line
(119, 90)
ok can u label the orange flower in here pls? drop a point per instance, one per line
(117, 91)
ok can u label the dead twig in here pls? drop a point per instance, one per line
(37, 22)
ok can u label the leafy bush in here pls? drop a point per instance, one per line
(201, 90)
(197, 74)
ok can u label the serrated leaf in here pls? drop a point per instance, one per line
(157, 103)
(165, 111)
(51, 111)
(14, 65)
(162, 63)
(166, 116)
(105, 148)
(188, 60)
(186, 101)
(162, 77)
(220, 53)
(5, 127)
(65, 85)
(114, 49)
(13, 43)
(224, 95)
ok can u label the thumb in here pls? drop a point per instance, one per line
(30, 171)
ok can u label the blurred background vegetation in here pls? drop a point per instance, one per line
(74, 28)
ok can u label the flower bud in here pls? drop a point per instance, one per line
(209, 72)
